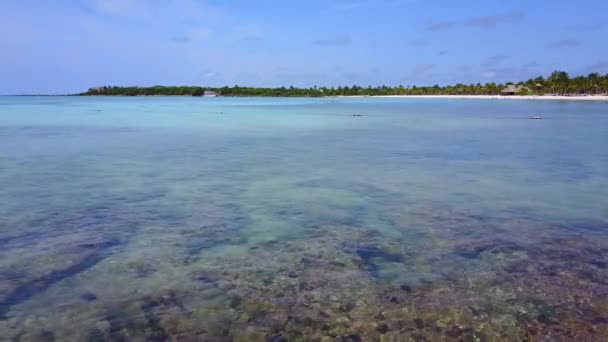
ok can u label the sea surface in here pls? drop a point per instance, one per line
(263, 219)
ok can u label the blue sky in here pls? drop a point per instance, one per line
(65, 46)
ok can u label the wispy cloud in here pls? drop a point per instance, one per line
(194, 35)
(495, 60)
(120, 7)
(342, 40)
(489, 74)
(350, 6)
(180, 39)
(505, 74)
(587, 26)
(492, 21)
(483, 22)
(419, 43)
(566, 43)
(250, 32)
(465, 67)
(355, 5)
(600, 66)
(440, 25)
(208, 77)
(530, 65)
(423, 68)
(420, 73)
(160, 12)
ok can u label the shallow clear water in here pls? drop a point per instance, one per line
(253, 219)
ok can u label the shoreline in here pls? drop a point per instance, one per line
(493, 97)
(458, 97)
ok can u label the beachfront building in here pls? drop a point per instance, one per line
(513, 89)
(206, 93)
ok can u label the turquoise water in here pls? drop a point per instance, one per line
(290, 219)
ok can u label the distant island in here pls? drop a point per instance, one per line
(558, 83)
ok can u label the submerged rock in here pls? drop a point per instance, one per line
(88, 296)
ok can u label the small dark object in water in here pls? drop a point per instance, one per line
(536, 118)
(204, 278)
(88, 296)
(366, 253)
(277, 338)
(357, 115)
(382, 328)
(454, 332)
(370, 257)
(475, 311)
(476, 249)
(406, 288)
(546, 318)
(600, 320)
(426, 281)
(338, 264)
(419, 323)
(45, 336)
(347, 307)
(352, 338)
(235, 302)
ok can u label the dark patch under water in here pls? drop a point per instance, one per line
(224, 229)
(23, 292)
(475, 249)
(372, 256)
(544, 286)
(586, 226)
(375, 193)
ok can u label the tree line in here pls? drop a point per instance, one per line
(558, 83)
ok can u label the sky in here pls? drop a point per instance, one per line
(67, 46)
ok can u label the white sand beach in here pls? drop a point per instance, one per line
(497, 97)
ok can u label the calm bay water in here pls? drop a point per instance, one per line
(291, 219)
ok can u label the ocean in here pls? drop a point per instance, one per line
(292, 219)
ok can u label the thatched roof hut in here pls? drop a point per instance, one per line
(513, 89)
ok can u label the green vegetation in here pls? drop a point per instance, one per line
(559, 82)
